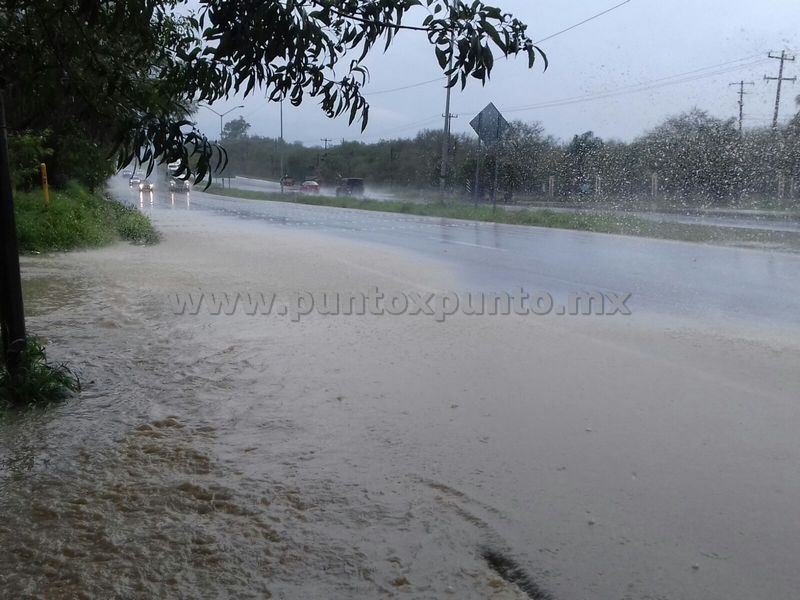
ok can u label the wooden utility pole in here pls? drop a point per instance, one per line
(783, 57)
(742, 94)
(447, 117)
(283, 175)
(12, 313)
(326, 141)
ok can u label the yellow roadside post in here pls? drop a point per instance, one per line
(45, 190)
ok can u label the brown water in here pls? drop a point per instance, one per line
(250, 457)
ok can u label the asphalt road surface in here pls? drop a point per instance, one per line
(713, 285)
(736, 219)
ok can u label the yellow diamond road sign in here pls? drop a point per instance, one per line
(489, 125)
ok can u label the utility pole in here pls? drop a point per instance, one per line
(325, 141)
(447, 117)
(445, 146)
(783, 57)
(281, 147)
(742, 94)
(12, 314)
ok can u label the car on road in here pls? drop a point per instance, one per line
(127, 173)
(134, 181)
(180, 185)
(146, 186)
(309, 187)
(350, 186)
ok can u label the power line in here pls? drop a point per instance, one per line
(400, 128)
(429, 81)
(631, 89)
(678, 78)
(407, 87)
(592, 18)
(700, 73)
(544, 39)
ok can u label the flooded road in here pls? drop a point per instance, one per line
(249, 456)
(712, 286)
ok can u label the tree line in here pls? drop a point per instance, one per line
(690, 158)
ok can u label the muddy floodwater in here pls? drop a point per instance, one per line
(249, 456)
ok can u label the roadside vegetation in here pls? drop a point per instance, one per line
(76, 218)
(597, 222)
(35, 381)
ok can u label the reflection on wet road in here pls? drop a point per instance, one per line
(708, 283)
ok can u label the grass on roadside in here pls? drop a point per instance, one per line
(37, 382)
(598, 222)
(73, 219)
(76, 218)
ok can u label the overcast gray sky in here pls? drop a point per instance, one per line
(623, 68)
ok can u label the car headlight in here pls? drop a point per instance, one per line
(141, 186)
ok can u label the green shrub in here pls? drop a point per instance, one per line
(76, 218)
(36, 381)
(132, 225)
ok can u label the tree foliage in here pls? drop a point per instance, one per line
(235, 129)
(124, 73)
(27, 151)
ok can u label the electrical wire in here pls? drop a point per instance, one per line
(592, 18)
(644, 86)
(407, 87)
(400, 128)
(544, 39)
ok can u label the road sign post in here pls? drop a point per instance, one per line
(490, 126)
(45, 189)
(476, 191)
(496, 179)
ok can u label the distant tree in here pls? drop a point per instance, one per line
(620, 171)
(523, 151)
(579, 162)
(235, 129)
(792, 146)
(694, 154)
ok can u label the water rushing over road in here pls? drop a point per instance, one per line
(373, 457)
(201, 459)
